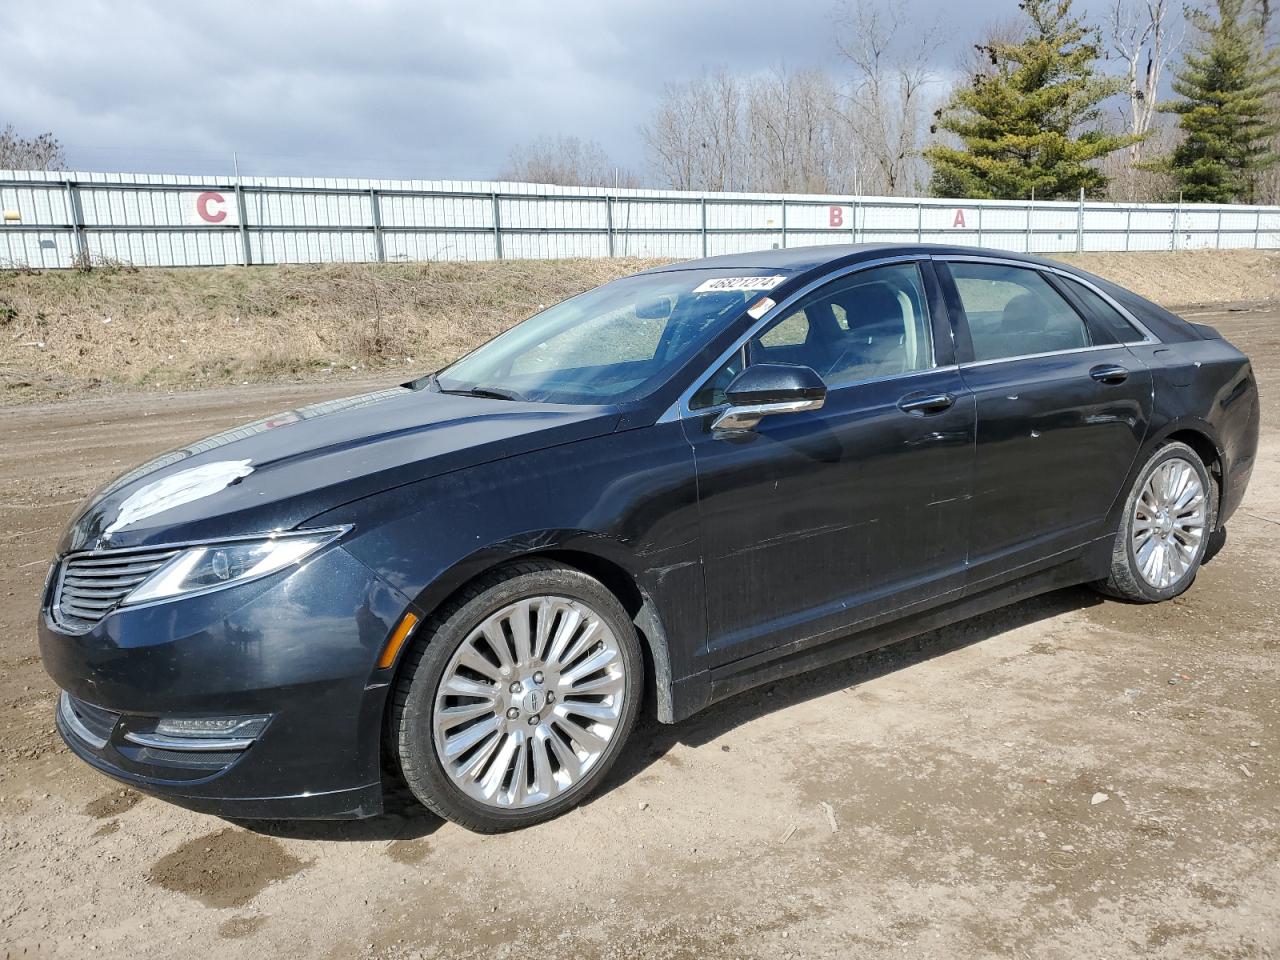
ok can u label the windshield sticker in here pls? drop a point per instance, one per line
(760, 308)
(176, 489)
(735, 284)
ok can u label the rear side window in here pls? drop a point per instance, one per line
(1109, 316)
(1013, 312)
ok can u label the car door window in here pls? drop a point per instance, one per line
(1109, 316)
(870, 324)
(1014, 312)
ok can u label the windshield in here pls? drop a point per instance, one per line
(615, 343)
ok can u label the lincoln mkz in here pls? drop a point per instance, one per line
(658, 493)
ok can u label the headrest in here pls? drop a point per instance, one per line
(1025, 313)
(872, 308)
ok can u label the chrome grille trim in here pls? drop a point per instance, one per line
(91, 585)
(78, 715)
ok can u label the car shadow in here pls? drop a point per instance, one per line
(404, 818)
(652, 740)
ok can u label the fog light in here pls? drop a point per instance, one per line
(201, 733)
(212, 728)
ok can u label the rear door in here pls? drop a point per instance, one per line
(1062, 409)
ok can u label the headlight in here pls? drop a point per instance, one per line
(214, 565)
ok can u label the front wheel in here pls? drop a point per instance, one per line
(518, 698)
(1164, 527)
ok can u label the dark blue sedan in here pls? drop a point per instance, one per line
(668, 489)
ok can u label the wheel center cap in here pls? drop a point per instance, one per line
(534, 700)
(1166, 524)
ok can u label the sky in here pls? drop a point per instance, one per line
(390, 88)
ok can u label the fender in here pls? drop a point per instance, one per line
(623, 507)
(1156, 437)
(602, 557)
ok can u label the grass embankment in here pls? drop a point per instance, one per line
(64, 332)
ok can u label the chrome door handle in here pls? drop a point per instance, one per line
(1109, 373)
(920, 404)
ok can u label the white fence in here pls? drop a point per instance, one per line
(58, 219)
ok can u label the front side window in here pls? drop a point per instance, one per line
(869, 324)
(612, 344)
(1013, 312)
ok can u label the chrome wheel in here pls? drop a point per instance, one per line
(529, 702)
(1168, 523)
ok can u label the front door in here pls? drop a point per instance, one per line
(819, 520)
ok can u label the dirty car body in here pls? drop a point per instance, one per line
(221, 620)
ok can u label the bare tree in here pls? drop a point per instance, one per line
(1145, 183)
(696, 138)
(778, 132)
(887, 105)
(1140, 38)
(793, 140)
(41, 152)
(565, 161)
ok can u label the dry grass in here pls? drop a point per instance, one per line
(1190, 276)
(114, 326)
(66, 330)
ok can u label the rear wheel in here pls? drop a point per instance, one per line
(1164, 527)
(518, 698)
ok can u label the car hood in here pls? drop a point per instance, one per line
(277, 472)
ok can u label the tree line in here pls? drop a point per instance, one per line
(1045, 105)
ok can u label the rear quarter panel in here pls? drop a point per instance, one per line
(1207, 386)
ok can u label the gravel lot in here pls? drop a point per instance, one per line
(1069, 777)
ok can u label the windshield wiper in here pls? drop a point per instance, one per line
(432, 382)
(493, 393)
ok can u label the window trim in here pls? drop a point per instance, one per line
(680, 409)
(1148, 336)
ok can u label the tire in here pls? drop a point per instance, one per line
(1159, 546)
(506, 758)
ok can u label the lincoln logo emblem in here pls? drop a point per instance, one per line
(533, 701)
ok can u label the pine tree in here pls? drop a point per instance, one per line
(1032, 121)
(1225, 87)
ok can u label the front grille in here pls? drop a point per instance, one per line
(92, 584)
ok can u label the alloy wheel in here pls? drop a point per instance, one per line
(529, 702)
(1168, 523)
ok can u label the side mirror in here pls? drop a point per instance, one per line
(765, 389)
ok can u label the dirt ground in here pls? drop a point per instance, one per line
(1069, 777)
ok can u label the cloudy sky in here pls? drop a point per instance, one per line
(387, 88)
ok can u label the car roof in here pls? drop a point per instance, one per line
(804, 259)
(806, 263)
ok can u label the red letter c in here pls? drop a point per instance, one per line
(203, 203)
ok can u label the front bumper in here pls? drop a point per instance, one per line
(300, 646)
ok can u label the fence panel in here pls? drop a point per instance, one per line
(54, 220)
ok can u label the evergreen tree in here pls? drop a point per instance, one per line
(1225, 106)
(1032, 121)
